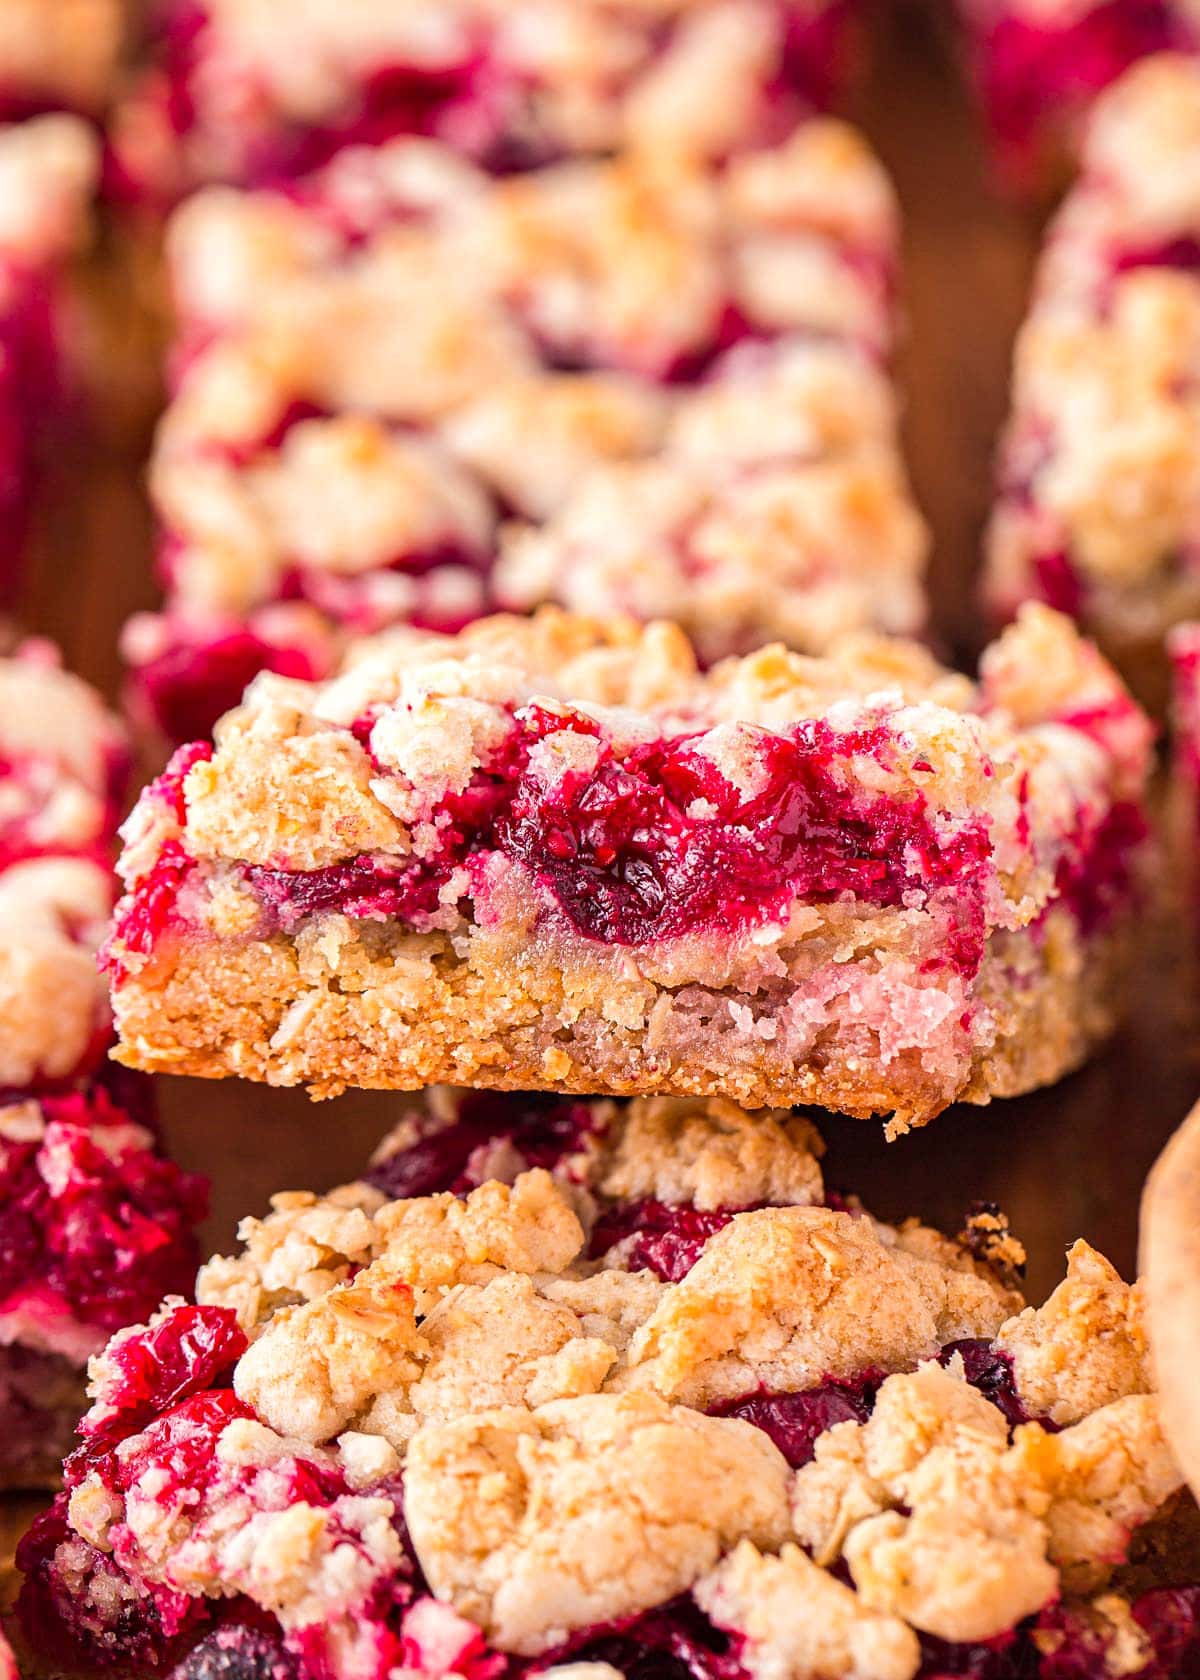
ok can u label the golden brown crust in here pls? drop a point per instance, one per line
(258, 1010)
(1169, 1259)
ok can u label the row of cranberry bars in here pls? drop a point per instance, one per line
(551, 852)
(248, 91)
(94, 1222)
(592, 1390)
(1098, 508)
(406, 392)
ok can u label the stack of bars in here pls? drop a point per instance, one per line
(94, 1222)
(532, 456)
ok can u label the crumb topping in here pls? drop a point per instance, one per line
(1083, 1349)
(455, 1394)
(794, 551)
(53, 1006)
(712, 1154)
(49, 168)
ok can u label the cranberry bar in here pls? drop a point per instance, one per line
(244, 91)
(600, 1390)
(1040, 64)
(1096, 510)
(48, 169)
(407, 393)
(95, 1224)
(550, 852)
(1170, 1259)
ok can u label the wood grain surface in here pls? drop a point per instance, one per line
(1064, 1163)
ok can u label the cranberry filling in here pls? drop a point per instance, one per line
(1034, 77)
(674, 1642)
(659, 844)
(1058, 583)
(1102, 883)
(795, 1421)
(991, 1372)
(1183, 253)
(151, 1626)
(194, 681)
(159, 1365)
(544, 1129)
(107, 1231)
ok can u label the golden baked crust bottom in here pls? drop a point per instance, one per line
(505, 1017)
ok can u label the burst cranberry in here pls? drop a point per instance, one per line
(182, 1442)
(239, 1651)
(674, 1642)
(149, 910)
(193, 683)
(991, 1372)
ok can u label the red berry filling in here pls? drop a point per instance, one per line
(1034, 77)
(655, 845)
(795, 1421)
(158, 1365)
(98, 1221)
(665, 1240)
(196, 679)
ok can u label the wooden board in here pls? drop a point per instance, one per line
(1064, 1163)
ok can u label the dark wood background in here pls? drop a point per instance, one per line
(1064, 1163)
